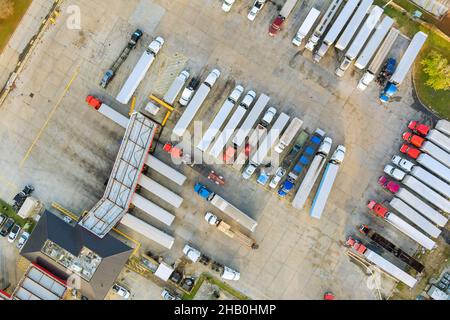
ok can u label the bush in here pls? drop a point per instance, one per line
(438, 71)
(6, 8)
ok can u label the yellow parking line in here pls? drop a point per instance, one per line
(41, 131)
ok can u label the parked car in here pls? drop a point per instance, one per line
(107, 77)
(2, 219)
(419, 128)
(394, 172)
(257, 6)
(268, 116)
(279, 174)
(167, 295)
(227, 4)
(13, 233)
(263, 177)
(9, 224)
(188, 92)
(22, 240)
(410, 151)
(121, 291)
(402, 163)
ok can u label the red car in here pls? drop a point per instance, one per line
(377, 208)
(419, 128)
(410, 151)
(388, 185)
(276, 25)
(414, 139)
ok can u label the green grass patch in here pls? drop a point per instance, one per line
(9, 25)
(222, 286)
(7, 210)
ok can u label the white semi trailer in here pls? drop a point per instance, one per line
(152, 209)
(327, 182)
(289, 135)
(439, 139)
(220, 118)
(436, 152)
(195, 104)
(360, 39)
(434, 166)
(148, 231)
(415, 217)
(176, 86)
(251, 119)
(443, 126)
(378, 60)
(139, 71)
(165, 170)
(431, 180)
(427, 193)
(323, 24)
(336, 29)
(160, 191)
(353, 25)
(306, 26)
(312, 174)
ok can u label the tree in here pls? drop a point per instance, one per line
(6, 8)
(438, 71)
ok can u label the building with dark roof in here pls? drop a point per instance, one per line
(64, 250)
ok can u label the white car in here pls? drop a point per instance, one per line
(249, 171)
(279, 174)
(394, 172)
(268, 116)
(121, 291)
(22, 240)
(402, 163)
(257, 6)
(227, 4)
(167, 295)
(13, 233)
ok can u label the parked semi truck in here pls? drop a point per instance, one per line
(306, 26)
(433, 135)
(336, 29)
(443, 126)
(381, 262)
(327, 182)
(440, 139)
(224, 227)
(107, 111)
(139, 71)
(176, 87)
(227, 208)
(289, 135)
(303, 163)
(360, 39)
(374, 67)
(148, 231)
(403, 67)
(401, 225)
(232, 124)
(312, 174)
(220, 118)
(353, 25)
(111, 72)
(392, 248)
(427, 193)
(281, 17)
(266, 145)
(250, 120)
(323, 24)
(195, 104)
(432, 164)
(382, 29)
(430, 148)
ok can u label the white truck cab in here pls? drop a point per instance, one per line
(402, 163)
(191, 253)
(230, 274)
(394, 172)
(227, 4)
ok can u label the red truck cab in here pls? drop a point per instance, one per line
(414, 139)
(410, 151)
(419, 128)
(276, 25)
(377, 208)
(94, 102)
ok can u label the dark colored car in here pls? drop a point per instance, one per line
(2, 219)
(107, 77)
(6, 229)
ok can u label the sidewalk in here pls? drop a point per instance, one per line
(27, 28)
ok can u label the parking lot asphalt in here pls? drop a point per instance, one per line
(65, 149)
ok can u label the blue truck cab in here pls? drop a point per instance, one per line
(391, 88)
(203, 191)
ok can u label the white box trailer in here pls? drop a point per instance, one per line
(176, 86)
(434, 166)
(306, 26)
(353, 25)
(148, 231)
(323, 24)
(415, 217)
(439, 139)
(271, 138)
(426, 193)
(195, 103)
(375, 41)
(139, 71)
(336, 28)
(165, 170)
(443, 126)
(326, 184)
(390, 268)
(436, 152)
(220, 118)
(152, 209)
(234, 213)
(289, 135)
(113, 115)
(410, 231)
(360, 39)
(287, 8)
(251, 119)
(378, 60)
(312, 174)
(431, 180)
(160, 191)
(422, 207)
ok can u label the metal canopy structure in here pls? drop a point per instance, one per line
(124, 177)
